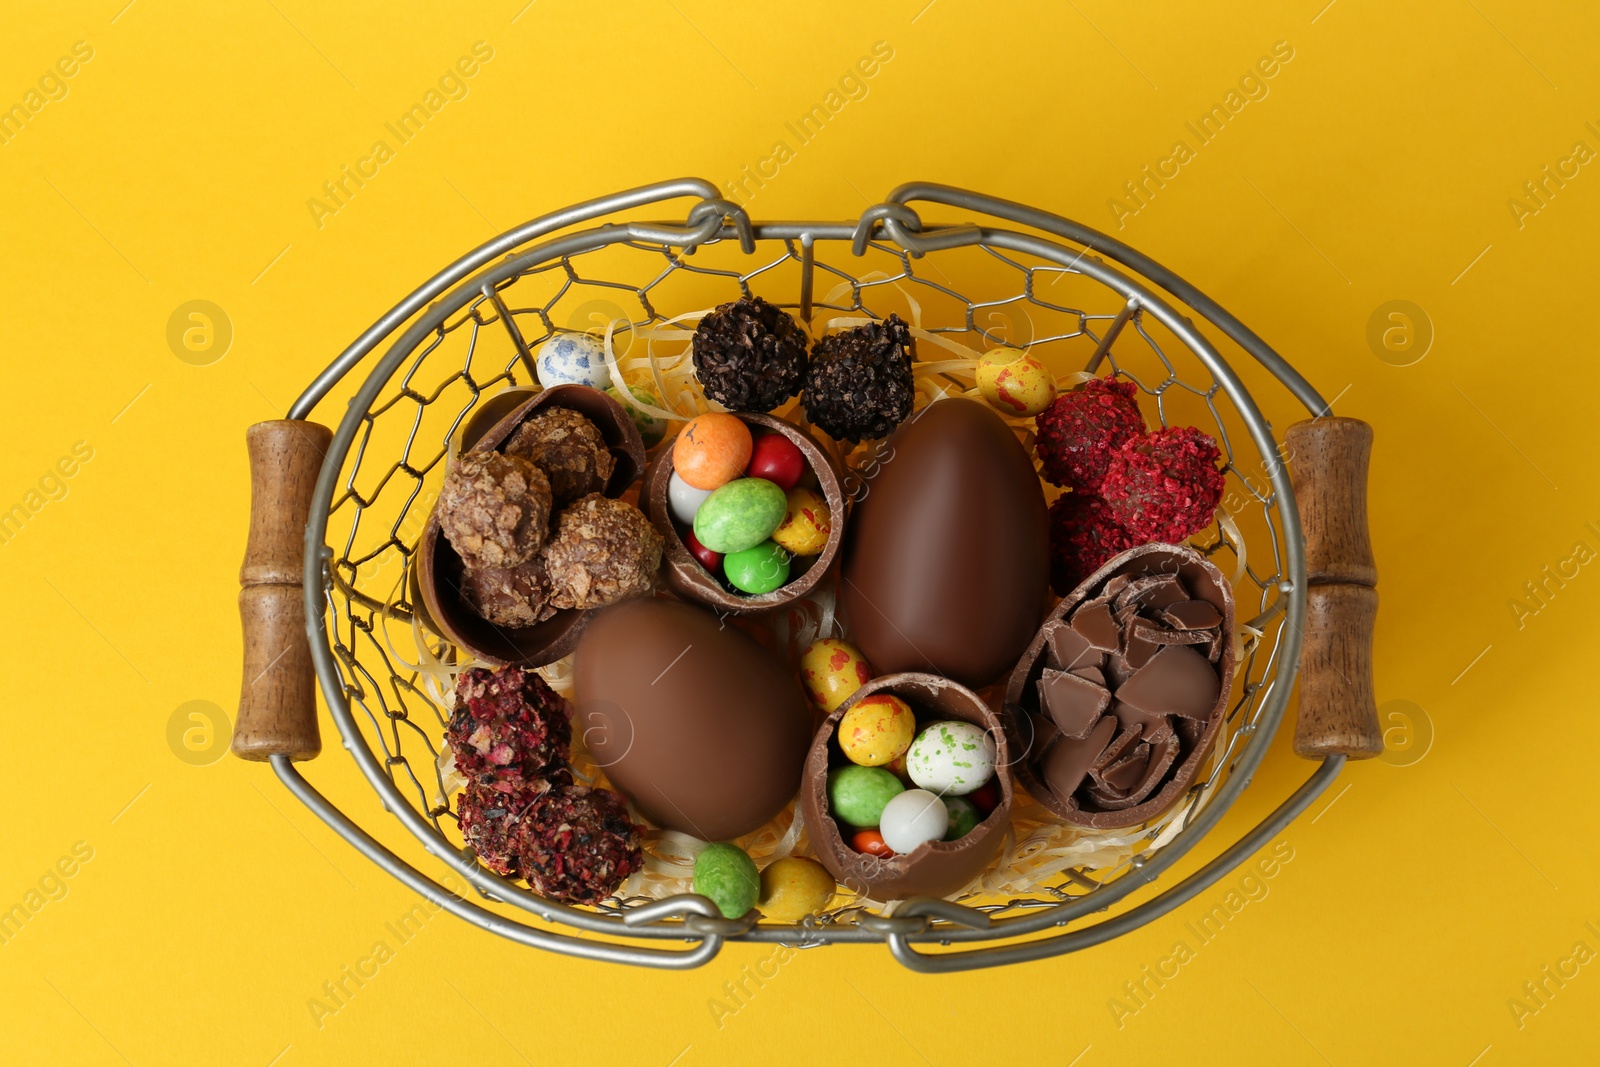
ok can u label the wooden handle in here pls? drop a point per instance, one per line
(1338, 708)
(278, 704)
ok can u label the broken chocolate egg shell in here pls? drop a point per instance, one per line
(1207, 584)
(685, 575)
(438, 569)
(938, 868)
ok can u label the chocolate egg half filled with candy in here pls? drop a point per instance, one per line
(934, 869)
(697, 724)
(946, 564)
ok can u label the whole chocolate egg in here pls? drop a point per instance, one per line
(946, 561)
(697, 724)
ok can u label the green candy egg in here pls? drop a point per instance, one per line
(858, 794)
(651, 428)
(964, 817)
(757, 570)
(729, 877)
(740, 514)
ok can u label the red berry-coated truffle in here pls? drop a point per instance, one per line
(494, 818)
(1084, 536)
(1165, 486)
(1080, 431)
(508, 726)
(579, 844)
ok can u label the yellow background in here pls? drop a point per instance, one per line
(1422, 893)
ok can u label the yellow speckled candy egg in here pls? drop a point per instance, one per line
(832, 672)
(877, 730)
(1014, 383)
(806, 524)
(794, 887)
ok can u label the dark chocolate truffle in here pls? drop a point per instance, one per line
(568, 448)
(749, 355)
(860, 385)
(603, 551)
(578, 844)
(494, 509)
(509, 596)
(508, 726)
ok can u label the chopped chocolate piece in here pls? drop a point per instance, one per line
(1176, 681)
(1092, 674)
(1066, 762)
(1068, 649)
(860, 383)
(1129, 717)
(749, 355)
(509, 596)
(1152, 592)
(494, 509)
(603, 551)
(1075, 704)
(1137, 650)
(1191, 615)
(569, 449)
(1128, 771)
(1095, 623)
(1152, 634)
(1116, 585)
(1214, 653)
(1119, 747)
(1161, 756)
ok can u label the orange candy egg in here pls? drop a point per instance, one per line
(713, 449)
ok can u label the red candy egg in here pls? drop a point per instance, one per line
(986, 797)
(778, 460)
(711, 561)
(871, 843)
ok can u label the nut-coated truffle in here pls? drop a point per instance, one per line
(568, 448)
(1081, 430)
(1165, 486)
(860, 385)
(509, 596)
(602, 551)
(494, 509)
(749, 355)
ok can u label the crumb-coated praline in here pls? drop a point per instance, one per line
(1165, 486)
(508, 726)
(494, 509)
(578, 844)
(860, 385)
(494, 820)
(1084, 536)
(749, 355)
(602, 551)
(1080, 431)
(568, 448)
(509, 596)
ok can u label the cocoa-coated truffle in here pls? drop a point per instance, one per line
(568, 448)
(509, 596)
(602, 551)
(860, 384)
(508, 726)
(494, 509)
(578, 844)
(749, 355)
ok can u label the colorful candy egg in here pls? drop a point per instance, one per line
(1015, 383)
(832, 671)
(711, 561)
(757, 570)
(871, 843)
(912, 819)
(684, 499)
(951, 757)
(807, 523)
(778, 460)
(739, 515)
(727, 875)
(712, 450)
(794, 887)
(573, 359)
(964, 817)
(877, 729)
(652, 428)
(857, 794)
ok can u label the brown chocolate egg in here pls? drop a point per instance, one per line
(697, 724)
(946, 563)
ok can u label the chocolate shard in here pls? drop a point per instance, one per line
(1093, 674)
(1191, 615)
(1116, 585)
(1129, 717)
(1119, 747)
(1137, 648)
(1067, 649)
(1161, 757)
(1176, 681)
(1094, 621)
(1128, 771)
(1075, 704)
(1150, 633)
(1215, 652)
(1066, 762)
(1153, 592)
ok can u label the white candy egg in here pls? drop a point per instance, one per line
(573, 359)
(912, 819)
(951, 757)
(684, 499)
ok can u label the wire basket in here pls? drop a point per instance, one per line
(1004, 275)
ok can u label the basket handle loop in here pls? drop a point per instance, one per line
(1338, 713)
(277, 704)
(904, 227)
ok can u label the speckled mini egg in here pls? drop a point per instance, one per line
(807, 523)
(573, 359)
(832, 671)
(1014, 383)
(876, 730)
(951, 758)
(794, 887)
